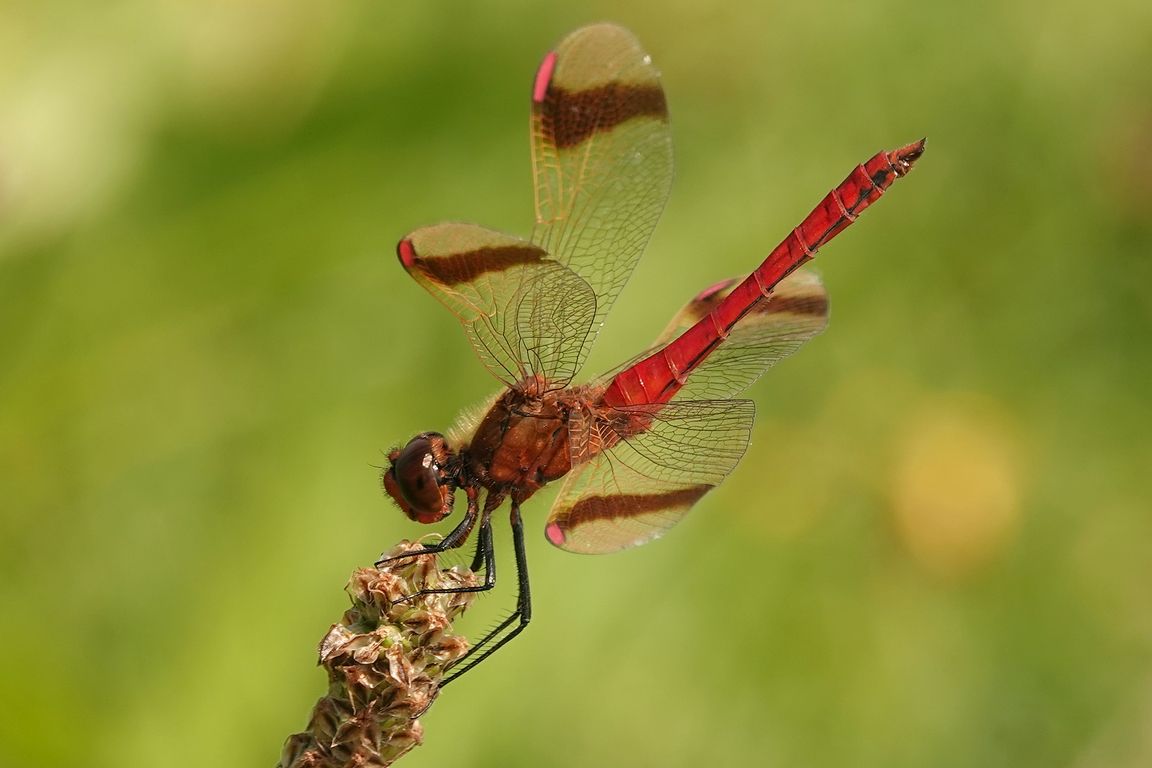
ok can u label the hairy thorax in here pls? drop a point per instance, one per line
(525, 441)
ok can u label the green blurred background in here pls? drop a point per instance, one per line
(938, 551)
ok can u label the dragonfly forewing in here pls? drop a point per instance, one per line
(601, 156)
(527, 315)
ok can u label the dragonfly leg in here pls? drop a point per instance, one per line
(485, 553)
(455, 537)
(484, 556)
(523, 610)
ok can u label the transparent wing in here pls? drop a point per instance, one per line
(526, 314)
(601, 155)
(796, 311)
(643, 469)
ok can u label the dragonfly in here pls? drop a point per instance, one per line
(639, 446)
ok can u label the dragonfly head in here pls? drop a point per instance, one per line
(419, 480)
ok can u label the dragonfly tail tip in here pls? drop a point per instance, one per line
(904, 158)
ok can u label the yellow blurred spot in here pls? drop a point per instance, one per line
(956, 486)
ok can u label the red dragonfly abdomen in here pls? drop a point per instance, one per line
(656, 379)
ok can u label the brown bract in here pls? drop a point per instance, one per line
(384, 662)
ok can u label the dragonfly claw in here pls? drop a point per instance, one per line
(386, 560)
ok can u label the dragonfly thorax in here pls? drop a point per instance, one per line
(521, 443)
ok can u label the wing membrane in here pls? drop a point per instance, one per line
(526, 314)
(601, 155)
(796, 311)
(635, 487)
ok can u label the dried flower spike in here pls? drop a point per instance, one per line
(384, 661)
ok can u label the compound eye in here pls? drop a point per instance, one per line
(417, 476)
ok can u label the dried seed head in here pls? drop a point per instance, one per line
(384, 661)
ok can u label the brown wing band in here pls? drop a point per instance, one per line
(467, 266)
(800, 304)
(796, 305)
(574, 117)
(593, 508)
